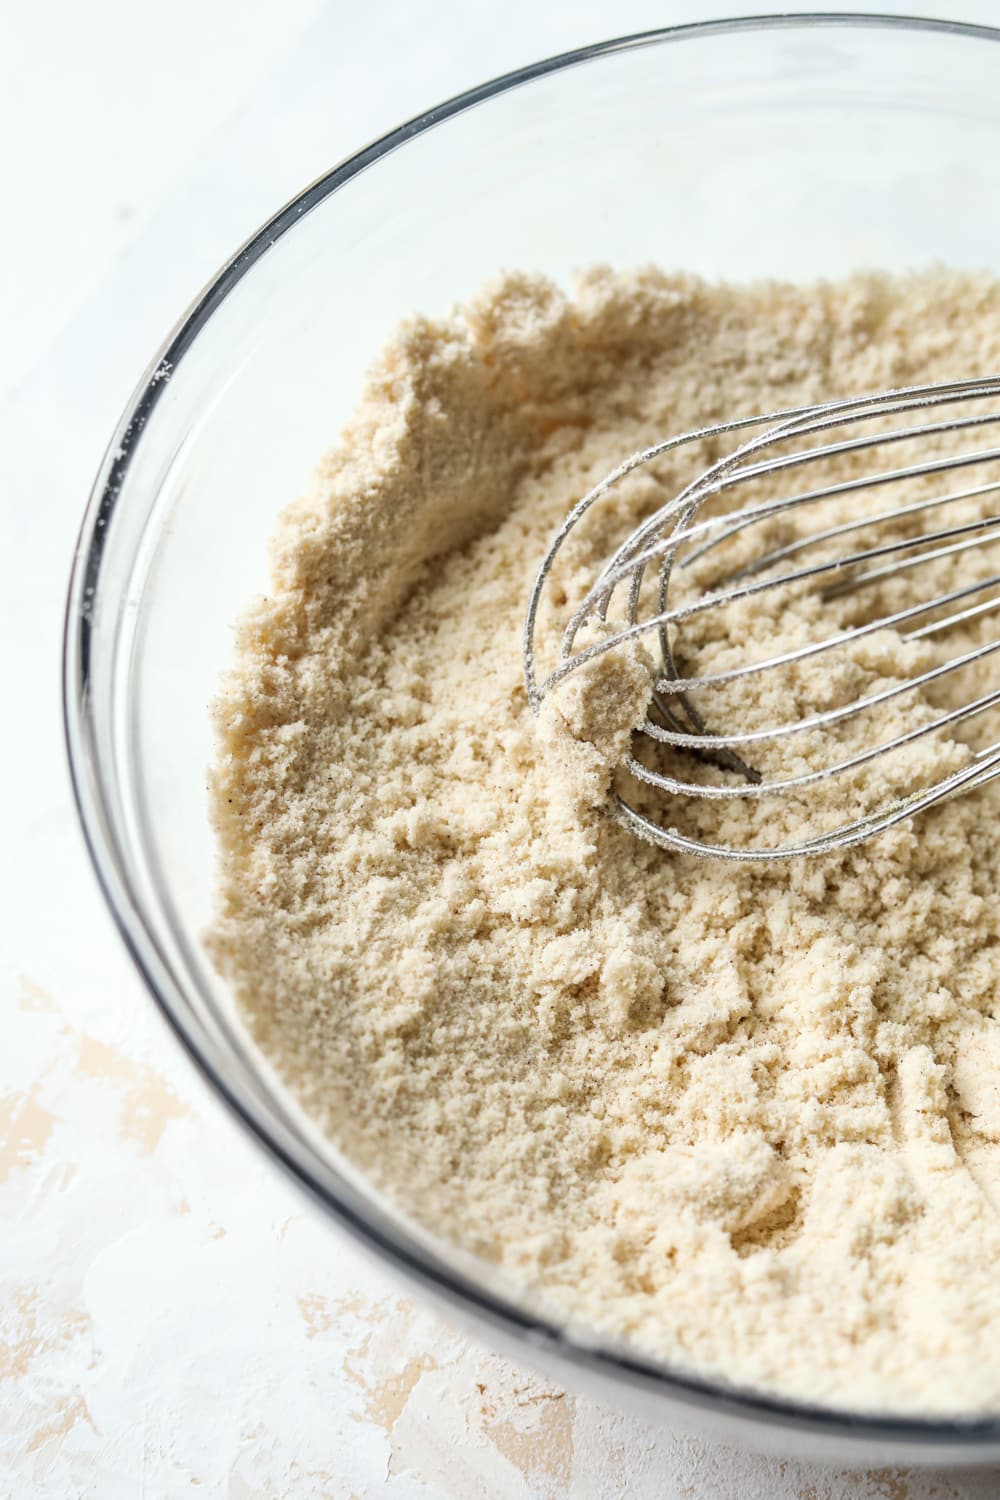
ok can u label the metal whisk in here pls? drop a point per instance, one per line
(859, 555)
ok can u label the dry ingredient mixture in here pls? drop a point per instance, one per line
(745, 1118)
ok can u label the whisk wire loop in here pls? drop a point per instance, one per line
(886, 545)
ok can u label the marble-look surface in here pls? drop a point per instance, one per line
(174, 1320)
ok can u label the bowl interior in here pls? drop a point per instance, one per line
(749, 150)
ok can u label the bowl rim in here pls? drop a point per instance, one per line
(92, 803)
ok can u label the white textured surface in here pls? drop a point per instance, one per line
(173, 1319)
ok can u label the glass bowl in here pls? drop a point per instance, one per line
(792, 147)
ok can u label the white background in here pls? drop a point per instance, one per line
(173, 1320)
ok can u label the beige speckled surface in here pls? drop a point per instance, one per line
(173, 1320)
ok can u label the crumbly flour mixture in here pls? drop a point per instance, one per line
(746, 1119)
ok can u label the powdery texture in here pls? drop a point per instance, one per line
(746, 1119)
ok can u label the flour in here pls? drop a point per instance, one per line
(745, 1119)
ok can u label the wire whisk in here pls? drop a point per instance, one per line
(810, 506)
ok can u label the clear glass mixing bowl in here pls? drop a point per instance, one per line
(791, 147)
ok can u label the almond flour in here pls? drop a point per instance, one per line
(745, 1119)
